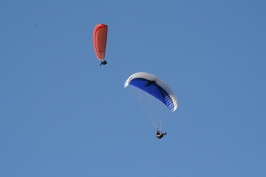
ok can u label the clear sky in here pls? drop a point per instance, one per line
(62, 115)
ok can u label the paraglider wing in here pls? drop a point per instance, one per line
(99, 40)
(155, 87)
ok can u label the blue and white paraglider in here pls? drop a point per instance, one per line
(154, 96)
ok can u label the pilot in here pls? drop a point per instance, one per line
(160, 134)
(103, 63)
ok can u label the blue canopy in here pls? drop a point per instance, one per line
(155, 87)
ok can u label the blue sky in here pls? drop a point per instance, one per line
(61, 114)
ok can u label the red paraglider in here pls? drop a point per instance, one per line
(99, 41)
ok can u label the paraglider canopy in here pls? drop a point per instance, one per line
(154, 86)
(99, 40)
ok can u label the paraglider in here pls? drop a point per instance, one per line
(154, 96)
(160, 134)
(99, 42)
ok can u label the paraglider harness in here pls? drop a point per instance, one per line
(160, 134)
(103, 63)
